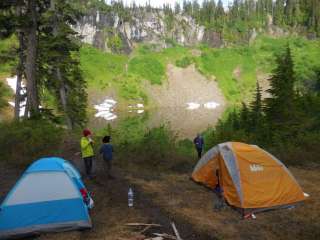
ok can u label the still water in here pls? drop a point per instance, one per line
(186, 121)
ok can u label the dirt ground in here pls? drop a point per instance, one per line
(178, 194)
(164, 197)
(111, 212)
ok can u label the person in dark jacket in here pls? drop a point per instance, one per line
(199, 144)
(107, 153)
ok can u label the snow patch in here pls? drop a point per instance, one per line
(12, 83)
(193, 105)
(105, 109)
(211, 105)
(140, 105)
(140, 111)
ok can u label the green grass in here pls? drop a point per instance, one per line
(101, 69)
(148, 68)
(259, 57)
(7, 56)
(222, 63)
(124, 74)
(184, 62)
(150, 64)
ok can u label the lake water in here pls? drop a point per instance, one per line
(186, 121)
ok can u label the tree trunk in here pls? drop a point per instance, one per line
(31, 59)
(62, 89)
(63, 98)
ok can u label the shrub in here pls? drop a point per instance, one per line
(148, 68)
(115, 43)
(23, 142)
(3, 94)
(184, 62)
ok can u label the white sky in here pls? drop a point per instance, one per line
(159, 3)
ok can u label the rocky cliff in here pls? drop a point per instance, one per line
(153, 27)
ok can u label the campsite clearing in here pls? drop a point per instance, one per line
(171, 196)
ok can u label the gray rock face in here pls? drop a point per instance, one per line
(148, 27)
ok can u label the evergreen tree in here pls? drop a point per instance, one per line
(256, 110)
(32, 105)
(278, 17)
(177, 8)
(245, 118)
(195, 10)
(220, 10)
(60, 71)
(3, 102)
(11, 21)
(280, 107)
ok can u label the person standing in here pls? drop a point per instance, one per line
(199, 144)
(107, 153)
(86, 144)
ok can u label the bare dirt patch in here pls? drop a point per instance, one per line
(236, 74)
(263, 80)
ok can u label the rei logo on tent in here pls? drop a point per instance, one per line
(256, 168)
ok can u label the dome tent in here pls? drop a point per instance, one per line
(49, 196)
(252, 179)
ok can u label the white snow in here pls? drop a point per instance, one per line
(193, 105)
(12, 82)
(140, 111)
(207, 105)
(211, 105)
(140, 105)
(105, 109)
(106, 115)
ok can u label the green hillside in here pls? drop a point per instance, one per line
(127, 73)
(234, 68)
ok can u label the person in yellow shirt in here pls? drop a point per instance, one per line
(87, 153)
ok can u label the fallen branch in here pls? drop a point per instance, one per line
(176, 231)
(145, 229)
(165, 235)
(143, 224)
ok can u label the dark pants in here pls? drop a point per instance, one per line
(88, 165)
(199, 150)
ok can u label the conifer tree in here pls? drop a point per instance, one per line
(256, 110)
(177, 8)
(280, 107)
(60, 71)
(245, 118)
(278, 16)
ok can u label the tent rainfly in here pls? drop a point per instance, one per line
(252, 179)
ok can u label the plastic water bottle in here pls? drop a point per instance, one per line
(130, 197)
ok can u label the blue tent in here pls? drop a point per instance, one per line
(49, 196)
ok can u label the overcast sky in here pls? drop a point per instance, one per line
(159, 3)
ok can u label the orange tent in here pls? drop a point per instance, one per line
(251, 178)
